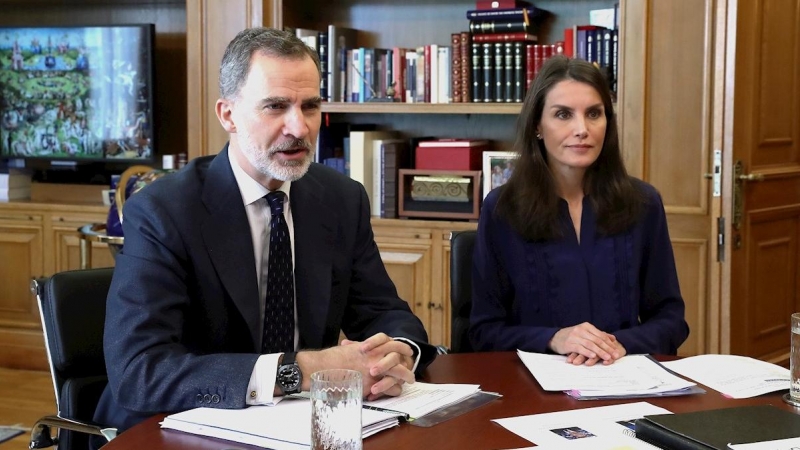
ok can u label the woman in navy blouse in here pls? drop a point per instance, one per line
(573, 255)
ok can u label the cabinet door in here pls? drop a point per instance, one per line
(407, 254)
(21, 342)
(66, 241)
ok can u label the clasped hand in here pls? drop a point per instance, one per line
(585, 344)
(385, 364)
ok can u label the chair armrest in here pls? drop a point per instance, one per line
(41, 437)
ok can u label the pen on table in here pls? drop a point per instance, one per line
(403, 415)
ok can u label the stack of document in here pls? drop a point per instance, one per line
(631, 376)
(733, 376)
(287, 424)
(419, 399)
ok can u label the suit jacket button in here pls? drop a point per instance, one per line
(199, 398)
(207, 398)
(215, 398)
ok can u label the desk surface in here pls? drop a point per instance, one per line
(497, 372)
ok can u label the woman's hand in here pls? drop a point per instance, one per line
(585, 344)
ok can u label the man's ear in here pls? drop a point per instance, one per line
(224, 110)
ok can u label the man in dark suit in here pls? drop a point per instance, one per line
(185, 322)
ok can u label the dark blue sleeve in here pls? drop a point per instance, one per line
(662, 327)
(493, 322)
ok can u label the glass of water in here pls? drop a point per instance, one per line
(336, 410)
(793, 397)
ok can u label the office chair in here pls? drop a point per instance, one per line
(72, 306)
(461, 245)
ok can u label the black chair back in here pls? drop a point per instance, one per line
(72, 306)
(462, 244)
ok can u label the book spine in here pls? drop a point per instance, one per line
(488, 80)
(445, 88)
(530, 65)
(614, 57)
(420, 86)
(466, 67)
(427, 74)
(477, 72)
(497, 26)
(508, 75)
(322, 50)
(501, 14)
(499, 72)
(411, 75)
(519, 71)
(504, 37)
(455, 67)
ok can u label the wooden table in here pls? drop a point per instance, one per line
(498, 372)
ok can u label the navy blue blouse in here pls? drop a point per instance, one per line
(625, 284)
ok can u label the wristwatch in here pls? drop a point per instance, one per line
(289, 378)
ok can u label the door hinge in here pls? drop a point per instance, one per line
(720, 239)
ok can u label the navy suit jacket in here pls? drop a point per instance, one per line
(183, 320)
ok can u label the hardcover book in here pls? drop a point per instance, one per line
(450, 154)
(715, 429)
(505, 37)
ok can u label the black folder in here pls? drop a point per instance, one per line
(715, 429)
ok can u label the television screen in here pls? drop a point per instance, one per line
(77, 93)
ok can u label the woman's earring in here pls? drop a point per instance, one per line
(538, 136)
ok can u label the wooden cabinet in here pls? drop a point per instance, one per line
(416, 255)
(36, 240)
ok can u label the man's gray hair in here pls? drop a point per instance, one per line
(236, 61)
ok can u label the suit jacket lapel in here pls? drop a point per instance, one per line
(226, 233)
(313, 247)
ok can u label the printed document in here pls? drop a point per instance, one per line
(733, 376)
(605, 427)
(629, 375)
(780, 444)
(286, 426)
(420, 398)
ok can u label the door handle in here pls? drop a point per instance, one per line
(739, 177)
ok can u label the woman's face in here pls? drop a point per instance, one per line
(573, 126)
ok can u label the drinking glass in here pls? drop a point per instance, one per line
(793, 397)
(336, 410)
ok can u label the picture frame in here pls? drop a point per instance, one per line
(496, 169)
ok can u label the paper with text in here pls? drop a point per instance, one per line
(421, 398)
(608, 424)
(733, 376)
(632, 374)
(285, 426)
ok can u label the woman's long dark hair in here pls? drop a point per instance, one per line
(529, 200)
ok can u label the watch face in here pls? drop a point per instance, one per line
(289, 378)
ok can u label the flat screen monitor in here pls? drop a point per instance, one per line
(79, 93)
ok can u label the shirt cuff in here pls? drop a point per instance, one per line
(262, 381)
(414, 348)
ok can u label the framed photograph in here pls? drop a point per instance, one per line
(497, 168)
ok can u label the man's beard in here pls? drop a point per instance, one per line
(267, 164)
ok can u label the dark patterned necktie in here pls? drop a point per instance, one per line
(279, 307)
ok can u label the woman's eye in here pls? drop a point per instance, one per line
(562, 115)
(595, 114)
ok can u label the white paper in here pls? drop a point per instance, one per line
(632, 374)
(420, 398)
(733, 376)
(780, 444)
(565, 428)
(285, 426)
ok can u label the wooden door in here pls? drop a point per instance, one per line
(765, 134)
(667, 111)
